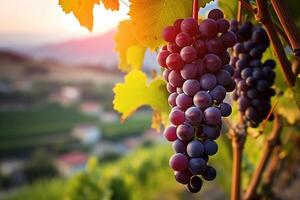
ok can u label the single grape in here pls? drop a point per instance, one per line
(197, 165)
(183, 177)
(223, 25)
(199, 45)
(223, 77)
(189, 71)
(191, 87)
(229, 68)
(212, 62)
(214, 45)
(193, 116)
(212, 132)
(185, 132)
(243, 103)
(209, 173)
(170, 88)
(188, 54)
(245, 73)
(210, 147)
(169, 33)
(174, 61)
(229, 39)
(252, 93)
(183, 39)
(184, 101)
(262, 85)
(195, 149)
(202, 100)
(170, 133)
(208, 28)
(190, 189)
(176, 117)
(178, 162)
(218, 93)
(179, 146)
(251, 113)
(215, 14)
(177, 24)
(189, 26)
(196, 183)
(172, 99)
(165, 74)
(225, 109)
(173, 47)
(212, 116)
(208, 81)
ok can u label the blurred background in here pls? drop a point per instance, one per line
(59, 135)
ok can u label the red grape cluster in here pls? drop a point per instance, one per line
(198, 73)
(254, 79)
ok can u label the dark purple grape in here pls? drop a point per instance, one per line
(218, 93)
(212, 62)
(196, 183)
(225, 57)
(179, 146)
(262, 85)
(202, 100)
(170, 133)
(229, 39)
(209, 173)
(245, 73)
(197, 165)
(243, 103)
(189, 71)
(223, 77)
(251, 113)
(223, 25)
(184, 101)
(270, 63)
(251, 81)
(208, 81)
(239, 48)
(214, 45)
(212, 132)
(195, 149)
(215, 14)
(208, 28)
(183, 177)
(191, 87)
(212, 116)
(185, 132)
(210, 147)
(225, 109)
(229, 68)
(178, 162)
(193, 115)
(190, 189)
(252, 93)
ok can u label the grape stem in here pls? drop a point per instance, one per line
(195, 10)
(248, 6)
(239, 11)
(264, 17)
(238, 137)
(272, 141)
(288, 24)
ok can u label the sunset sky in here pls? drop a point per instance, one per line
(31, 22)
(26, 23)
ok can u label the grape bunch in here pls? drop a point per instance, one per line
(198, 75)
(254, 79)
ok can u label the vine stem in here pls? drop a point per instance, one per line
(239, 11)
(195, 10)
(239, 134)
(264, 17)
(272, 141)
(288, 24)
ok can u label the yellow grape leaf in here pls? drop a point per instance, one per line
(111, 4)
(135, 92)
(131, 53)
(82, 10)
(135, 56)
(151, 16)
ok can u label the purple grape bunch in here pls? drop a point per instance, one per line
(254, 79)
(198, 75)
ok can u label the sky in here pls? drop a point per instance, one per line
(27, 23)
(34, 22)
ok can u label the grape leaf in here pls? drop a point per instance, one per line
(151, 16)
(159, 119)
(111, 4)
(82, 10)
(131, 53)
(135, 92)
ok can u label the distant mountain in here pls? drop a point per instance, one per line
(91, 50)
